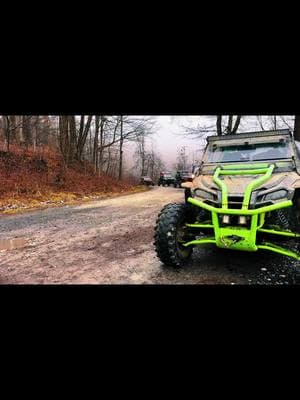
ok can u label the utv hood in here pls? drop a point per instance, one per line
(281, 185)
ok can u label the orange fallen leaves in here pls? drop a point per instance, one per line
(30, 179)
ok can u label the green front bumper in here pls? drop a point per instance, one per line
(238, 237)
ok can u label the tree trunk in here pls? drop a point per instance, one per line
(229, 125)
(36, 132)
(6, 129)
(228, 130)
(100, 158)
(260, 122)
(143, 155)
(108, 161)
(83, 133)
(297, 128)
(2, 130)
(219, 125)
(121, 151)
(96, 143)
(236, 125)
(27, 130)
(64, 138)
(13, 121)
(72, 137)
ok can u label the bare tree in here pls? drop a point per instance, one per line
(27, 130)
(7, 130)
(289, 125)
(64, 138)
(96, 143)
(219, 125)
(12, 125)
(274, 122)
(100, 140)
(259, 118)
(121, 149)
(228, 128)
(132, 130)
(72, 139)
(222, 125)
(147, 162)
(182, 158)
(117, 131)
(236, 125)
(141, 155)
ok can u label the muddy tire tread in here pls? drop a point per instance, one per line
(165, 234)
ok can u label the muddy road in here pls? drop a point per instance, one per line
(111, 241)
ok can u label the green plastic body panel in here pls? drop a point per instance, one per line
(239, 237)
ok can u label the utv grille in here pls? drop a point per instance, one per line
(235, 201)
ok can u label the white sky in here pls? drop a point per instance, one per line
(169, 134)
(169, 137)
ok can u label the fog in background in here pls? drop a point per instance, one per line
(170, 134)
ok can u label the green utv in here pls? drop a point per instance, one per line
(245, 196)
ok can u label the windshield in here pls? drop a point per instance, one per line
(253, 152)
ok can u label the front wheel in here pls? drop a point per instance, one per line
(171, 232)
(187, 194)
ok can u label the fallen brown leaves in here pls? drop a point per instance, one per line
(36, 179)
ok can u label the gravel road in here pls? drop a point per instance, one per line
(111, 241)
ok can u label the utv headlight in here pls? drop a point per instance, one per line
(279, 194)
(203, 194)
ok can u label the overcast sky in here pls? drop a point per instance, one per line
(169, 137)
(169, 133)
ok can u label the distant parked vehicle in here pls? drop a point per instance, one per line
(166, 178)
(183, 176)
(146, 180)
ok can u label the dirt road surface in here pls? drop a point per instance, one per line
(111, 241)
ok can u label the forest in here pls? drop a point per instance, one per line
(74, 210)
(96, 139)
(61, 158)
(65, 157)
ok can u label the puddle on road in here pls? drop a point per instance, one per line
(10, 244)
